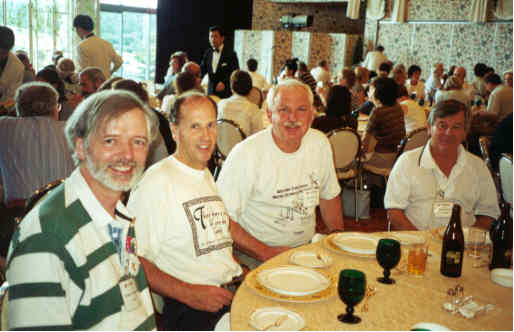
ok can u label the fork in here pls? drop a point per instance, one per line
(277, 323)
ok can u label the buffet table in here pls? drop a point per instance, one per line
(393, 307)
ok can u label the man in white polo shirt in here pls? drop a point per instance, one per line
(184, 241)
(424, 181)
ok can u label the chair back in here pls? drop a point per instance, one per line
(229, 134)
(505, 166)
(38, 195)
(484, 142)
(345, 144)
(3, 312)
(255, 96)
(415, 139)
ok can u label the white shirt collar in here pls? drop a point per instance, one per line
(76, 187)
(427, 160)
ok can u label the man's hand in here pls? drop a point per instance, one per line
(207, 298)
(220, 86)
(273, 251)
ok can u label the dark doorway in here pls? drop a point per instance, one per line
(183, 25)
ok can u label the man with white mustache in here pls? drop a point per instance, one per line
(72, 262)
(272, 182)
(185, 244)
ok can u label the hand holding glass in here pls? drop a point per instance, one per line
(388, 256)
(351, 289)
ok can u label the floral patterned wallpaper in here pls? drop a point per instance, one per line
(328, 17)
(440, 31)
(448, 43)
(272, 48)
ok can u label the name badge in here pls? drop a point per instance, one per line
(130, 295)
(442, 209)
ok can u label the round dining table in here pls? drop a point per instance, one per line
(399, 306)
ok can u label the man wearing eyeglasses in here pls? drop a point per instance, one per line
(425, 182)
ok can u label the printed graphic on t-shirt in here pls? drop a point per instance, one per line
(298, 204)
(209, 223)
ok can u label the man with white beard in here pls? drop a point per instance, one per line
(80, 238)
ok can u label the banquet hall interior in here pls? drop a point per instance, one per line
(342, 34)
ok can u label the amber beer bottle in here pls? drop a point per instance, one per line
(453, 246)
(502, 240)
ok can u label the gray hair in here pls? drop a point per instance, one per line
(93, 74)
(273, 92)
(35, 99)
(100, 108)
(447, 108)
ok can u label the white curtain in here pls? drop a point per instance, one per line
(503, 10)
(479, 11)
(375, 9)
(352, 10)
(400, 11)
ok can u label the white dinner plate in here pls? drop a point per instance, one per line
(502, 277)
(310, 259)
(264, 318)
(356, 243)
(406, 239)
(293, 280)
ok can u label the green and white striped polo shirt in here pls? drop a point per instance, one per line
(64, 271)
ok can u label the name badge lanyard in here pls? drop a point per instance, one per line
(130, 266)
(440, 208)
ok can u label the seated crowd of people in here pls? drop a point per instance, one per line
(140, 229)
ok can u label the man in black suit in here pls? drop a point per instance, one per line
(219, 63)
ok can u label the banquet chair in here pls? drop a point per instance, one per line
(415, 139)
(39, 194)
(505, 167)
(3, 312)
(255, 96)
(346, 147)
(229, 134)
(484, 142)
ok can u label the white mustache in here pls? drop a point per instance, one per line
(293, 124)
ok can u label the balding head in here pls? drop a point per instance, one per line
(460, 73)
(193, 68)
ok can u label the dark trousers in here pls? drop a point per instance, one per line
(177, 316)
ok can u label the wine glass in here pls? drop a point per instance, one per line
(388, 256)
(351, 289)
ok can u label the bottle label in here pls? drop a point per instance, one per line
(453, 257)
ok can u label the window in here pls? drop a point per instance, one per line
(43, 26)
(131, 27)
(40, 27)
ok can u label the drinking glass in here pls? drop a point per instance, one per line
(351, 289)
(388, 256)
(475, 242)
(417, 259)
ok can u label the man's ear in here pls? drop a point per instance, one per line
(174, 131)
(80, 149)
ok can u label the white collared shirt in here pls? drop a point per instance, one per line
(415, 180)
(216, 58)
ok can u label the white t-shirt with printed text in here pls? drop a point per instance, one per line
(182, 226)
(273, 194)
